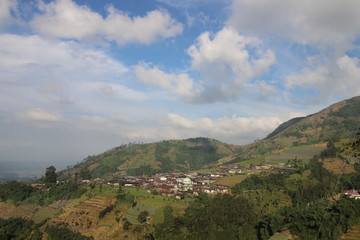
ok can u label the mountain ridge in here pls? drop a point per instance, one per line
(339, 120)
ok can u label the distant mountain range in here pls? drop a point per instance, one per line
(338, 121)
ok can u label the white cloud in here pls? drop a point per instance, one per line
(238, 129)
(322, 22)
(230, 55)
(23, 53)
(43, 72)
(66, 19)
(180, 84)
(227, 61)
(6, 6)
(331, 80)
(38, 114)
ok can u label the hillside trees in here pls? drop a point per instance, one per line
(223, 216)
(50, 176)
(142, 217)
(15, 191)
(352, 148)
(63, 233)
(18, 228)
(85, 173)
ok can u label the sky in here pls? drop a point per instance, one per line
(78, 77)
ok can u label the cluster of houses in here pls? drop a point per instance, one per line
(177, 184)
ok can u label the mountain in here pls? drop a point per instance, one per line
(340, 120)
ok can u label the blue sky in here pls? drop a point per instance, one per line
(79, 77)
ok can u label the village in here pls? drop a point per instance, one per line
(179, 184)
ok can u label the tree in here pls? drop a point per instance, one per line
(142, 217)
(127, 225)
(352, 148)
(85, 173)
(50, 175)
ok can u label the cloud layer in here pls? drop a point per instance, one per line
(334, 23)
(66, 19)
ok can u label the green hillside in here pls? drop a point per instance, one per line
(339, 121)
(165, 156)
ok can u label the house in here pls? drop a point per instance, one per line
(184, 184)
(355, 194)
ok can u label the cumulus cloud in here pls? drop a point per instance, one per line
(330, 23)
(66, 19)
(229, 55)
(339, 78)
(228, 60)
(180, 84)
(238, 129)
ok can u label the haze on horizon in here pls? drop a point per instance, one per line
(78, 77)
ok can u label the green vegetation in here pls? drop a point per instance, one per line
(142, 217)
(222, 217)
(18, 228)
(50, 176)
(351, 109)
(284, 126)
(148, 159)
(105, 211)
(63, 233)
(15, 191)
(68, 190)
(263, 181)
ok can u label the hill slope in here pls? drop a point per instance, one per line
(165, 156)
(340, 120)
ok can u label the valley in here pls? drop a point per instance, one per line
(298, 183)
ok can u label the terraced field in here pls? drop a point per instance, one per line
(304, 153)
(352, 234)
(337, 166)
(85, 217)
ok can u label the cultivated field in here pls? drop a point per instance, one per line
(352, 234)
(231, 180)
(337, 166)
(304, 153)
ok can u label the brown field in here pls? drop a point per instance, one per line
(231, 180)
(337, 166)
(23, 211)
